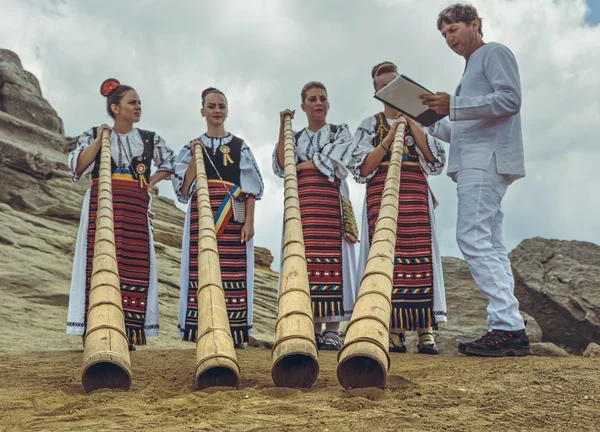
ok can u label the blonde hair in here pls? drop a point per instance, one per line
(309, 86)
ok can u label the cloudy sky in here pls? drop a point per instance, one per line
(260, 53)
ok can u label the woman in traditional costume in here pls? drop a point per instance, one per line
(233, 175)
(322, 152)
(418, 299)
(132, 151)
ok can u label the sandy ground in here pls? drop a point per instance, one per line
(42, 391)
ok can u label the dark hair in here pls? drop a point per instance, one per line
(459, 12)
(382, 68)
(309, 86)
(113, 91)
(210, 90)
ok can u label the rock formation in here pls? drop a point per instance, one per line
(558, 282)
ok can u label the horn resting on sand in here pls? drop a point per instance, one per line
(216, 362)
(364, 359)
(295, 359)
(106, 362)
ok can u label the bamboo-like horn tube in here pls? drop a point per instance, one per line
(216, 362)
(106, 362)
(364, 359)
(295, 360)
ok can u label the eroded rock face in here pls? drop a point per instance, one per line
(558, 282)
(21, 95)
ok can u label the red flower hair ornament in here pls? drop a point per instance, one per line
(108, 86)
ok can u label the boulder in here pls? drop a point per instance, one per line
(593, 350)
(558, 282)
(547, 349)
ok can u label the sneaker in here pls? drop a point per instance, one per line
(462, 347)
(331, 341)
(500, 343)
(131, 347)
(427, 348)
(318, 340)
(398, 348)
(239, 345)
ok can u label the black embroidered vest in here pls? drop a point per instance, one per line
(226, 158)
(140, 165)
(381, 130)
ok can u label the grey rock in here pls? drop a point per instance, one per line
(21, 95)
(593, 350)
(558, 282)
(547, 349)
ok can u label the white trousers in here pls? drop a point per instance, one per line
(479, 237)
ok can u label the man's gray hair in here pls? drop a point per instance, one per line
(459, 12)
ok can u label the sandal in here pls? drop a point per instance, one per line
(426, 344)
(318, 340)
(427, 348)
(331, 341)
(395, 347)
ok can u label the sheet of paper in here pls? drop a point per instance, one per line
(404, 94)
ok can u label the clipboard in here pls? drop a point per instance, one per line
(402, 94)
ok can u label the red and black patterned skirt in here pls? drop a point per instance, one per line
(132, 238)
(232, 258)
(320, 210)
(412, 294)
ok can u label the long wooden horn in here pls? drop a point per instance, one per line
(364, 359)
(295, 360)
(216, 362)
(106, 362)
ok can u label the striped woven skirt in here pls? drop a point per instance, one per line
(132, 238)
(320, 210)
(412, 293)
(232, 258)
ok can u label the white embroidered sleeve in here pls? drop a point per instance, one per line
(164, 157)
(181, 164)
(85, 139)
(363, 146)
(251, 180)
(332, 160)
(436, 148)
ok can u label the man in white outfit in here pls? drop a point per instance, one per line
(483, 128)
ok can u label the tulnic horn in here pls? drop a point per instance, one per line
(106, 362)
(364, 359)
(216, 362)
(295, 360)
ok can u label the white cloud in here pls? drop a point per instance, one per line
(262, 52)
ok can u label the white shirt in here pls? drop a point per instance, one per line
(123, 148)
(484, 115)
(330, 158)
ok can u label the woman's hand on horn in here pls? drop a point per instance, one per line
(103, 127)
(193, 145)
(285, 112)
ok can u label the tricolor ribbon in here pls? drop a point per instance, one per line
(226, 155)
